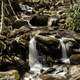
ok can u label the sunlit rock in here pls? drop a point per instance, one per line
(10, 75)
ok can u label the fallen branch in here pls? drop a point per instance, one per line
(12, 10)
(2, 16)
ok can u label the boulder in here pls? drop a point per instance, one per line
(39, 20)
(9, 75)
(47, 40)
(75, 59)
(48, 46)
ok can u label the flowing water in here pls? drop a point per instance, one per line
(36, 66)
(34, 63)
(64, 58)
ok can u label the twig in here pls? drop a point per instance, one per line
(2, 16)
(6, 10)
(13, 10)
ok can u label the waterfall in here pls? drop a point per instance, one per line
(64, 58)
(34, 63)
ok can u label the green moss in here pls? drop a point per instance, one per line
(73, 18)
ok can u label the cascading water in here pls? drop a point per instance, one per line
(64, 58)
(34, 63)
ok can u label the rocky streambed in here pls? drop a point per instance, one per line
(37, 45)
(41, 54)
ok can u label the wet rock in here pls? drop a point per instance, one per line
(65, 33)
(76, 51)
(19, 23)
(39, 20)
(75, 59)
(49, 49)
(52, 77)
(47, 40)
(20, 31)
(9, 75)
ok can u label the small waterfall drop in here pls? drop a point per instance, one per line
(34, 63)
(64, 58)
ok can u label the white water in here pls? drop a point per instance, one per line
(34, 63)
(64, 58)
(36, 66)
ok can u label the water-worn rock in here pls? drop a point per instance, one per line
(75, 59)
(48, 46)
(74, 72)
(47, 40)
(19, 23)
(9, 75)
(76, 51)
(52, 77)
(39, 20)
